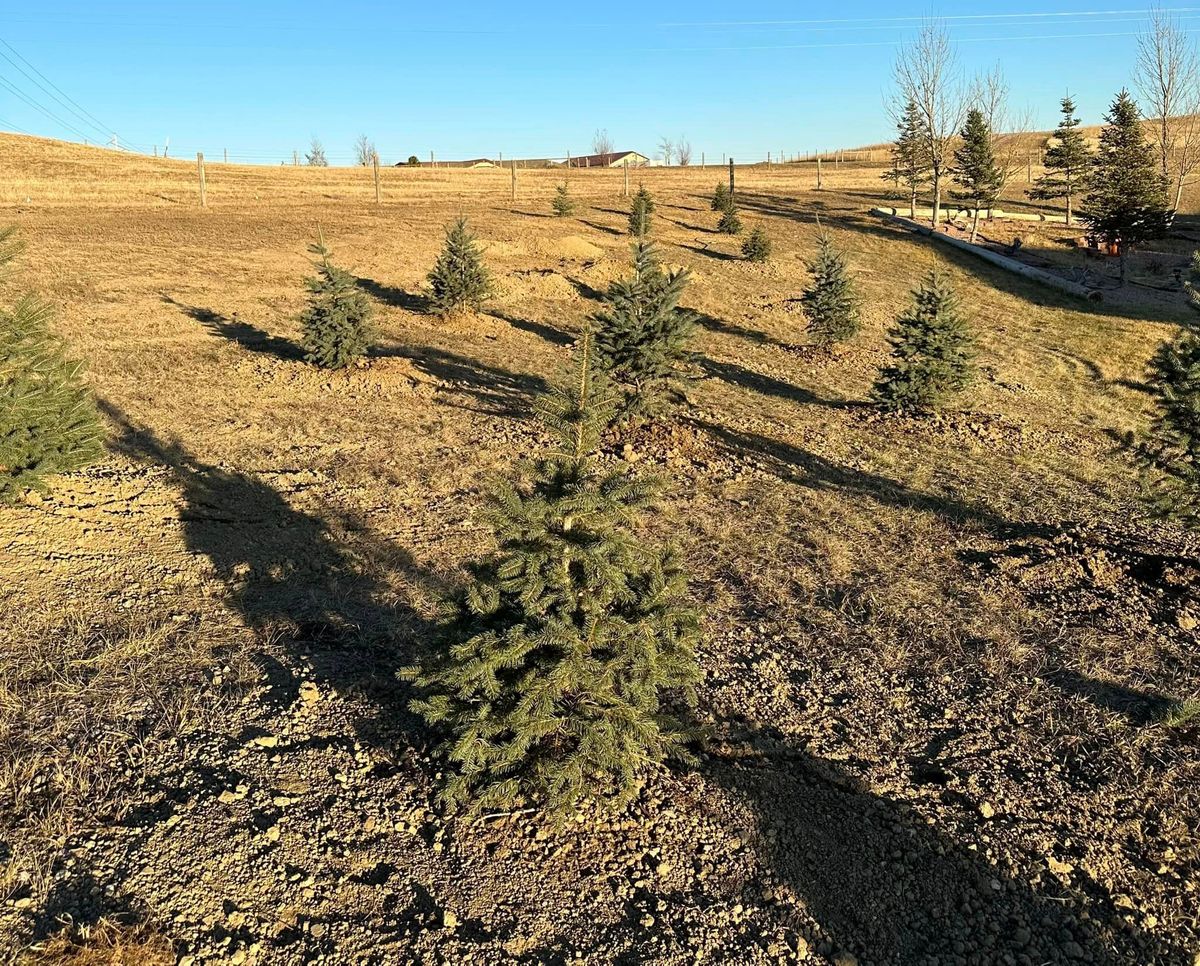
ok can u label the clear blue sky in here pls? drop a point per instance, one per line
(471, 78)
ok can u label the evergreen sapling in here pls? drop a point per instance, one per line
(975, 169)
(563, 205)
(730, 223)
(1067, 162)
(720, 197)
(757, 246)
(831, 302)
(932, 351)
(640, 213)
(573, 637)
(336, 324)
(459, 280)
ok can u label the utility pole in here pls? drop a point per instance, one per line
(375, 164)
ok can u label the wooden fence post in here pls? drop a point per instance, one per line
(375, 164)
(226, 155)
(731, 177)
(514, 180)
(200, 172)
(818, 172)
(702, 165)
(626, 177)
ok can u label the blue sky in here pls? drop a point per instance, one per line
(476, 78)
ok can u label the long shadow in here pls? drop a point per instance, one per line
(490, 390)
(709, 253)
(542, 330)
(599, 227)
(887, 887)
(393, 295)
(1139, 707)
(713, 324)
(248, 336)
(684, 225)
(737, 375)
(586, 290)
(794, 465)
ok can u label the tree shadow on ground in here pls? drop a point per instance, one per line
(794, 465)
(393, 295)
(586, 290)
(1138, 706)
(542, 330)
(737, 375)
(684, 225)
(723, 327)
(710, 253)
(489, 389)
(887, 886)
(313, 582)
(604, 228)
(245, 334)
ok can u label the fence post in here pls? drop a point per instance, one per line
(702, 165)
(226, 155)
(731, 177)
(818, 172)
(375, 164)
(200, 172)
(514, 180)
(626, 177)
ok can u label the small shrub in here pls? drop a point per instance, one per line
(562, 204)
(730, 223)
(932, 351)
(640, 212)
(757, 246)
(459, 280)
(48, 418)
(337, 322)
(720, 196)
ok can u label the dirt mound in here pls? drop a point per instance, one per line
(571, 248)
(537, 283)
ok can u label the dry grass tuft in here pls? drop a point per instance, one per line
(107, 943)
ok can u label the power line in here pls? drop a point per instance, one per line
(38, 107)
(61, 97)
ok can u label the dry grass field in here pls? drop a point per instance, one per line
(942, 655)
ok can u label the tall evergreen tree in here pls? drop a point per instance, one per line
(831, 302)
(643, 336)
(975, 169)
(337, 320)
(571, 638)
(1067, 162)
(640, 213)
(730, 223)
(48, 418)
(459, 280)
(1171, 452)
(720, 196)
(1127, 201)
(910, 153)
(933, 351)
(562, 204)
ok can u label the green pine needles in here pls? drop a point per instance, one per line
(562, 204)
(640, 212)
(975, 170)
(336, 324)
(459, 280)
(831, 302)
(572, 638)
(730, 223)
(48, 419)
(757, 246)
(643, 336)
(720, 196)
(1067, 162)
(932, 351)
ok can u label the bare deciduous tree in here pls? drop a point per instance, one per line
(666, 147)
(316, 154)
(683, 151)
(1168, 79)
(364, 150)
(601, 142)
(1011, 138)
(927, 74)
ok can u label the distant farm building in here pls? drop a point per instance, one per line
(614, 159)
(473, 163)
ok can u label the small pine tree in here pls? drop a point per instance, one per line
(562, 204)
(1127, 201)
(48, 418)
(640, 213)
(1171, 452)
(337, 321)
(571, 636)
(932, 351)
(831, 302)
(459, 280)
(720, 196)
(1067, 161)
(757, 246)
(975, 169)
(730, 223)
(642, 336)
(910, 160)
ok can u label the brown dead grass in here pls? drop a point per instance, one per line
(107, 943)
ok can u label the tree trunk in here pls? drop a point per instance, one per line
(912, 201)
(1068, 208)
(1178, 195)
(975, 225)
(937, 198)
(1121, 255)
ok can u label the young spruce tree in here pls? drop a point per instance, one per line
(720, 196)
(730, 223)
(831, 303)
(337, 321)
(932, 351)
(573, 638)
(1127, 201)
(562, 204)
(643, 336)
(640, 213)
(975, 169)
(910, 154)
(459, 280)
(757, 246)
(48, 419)
(1172, 450)
(1067, 162)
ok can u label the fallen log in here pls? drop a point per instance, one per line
(1000, 261)
(951, 213)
